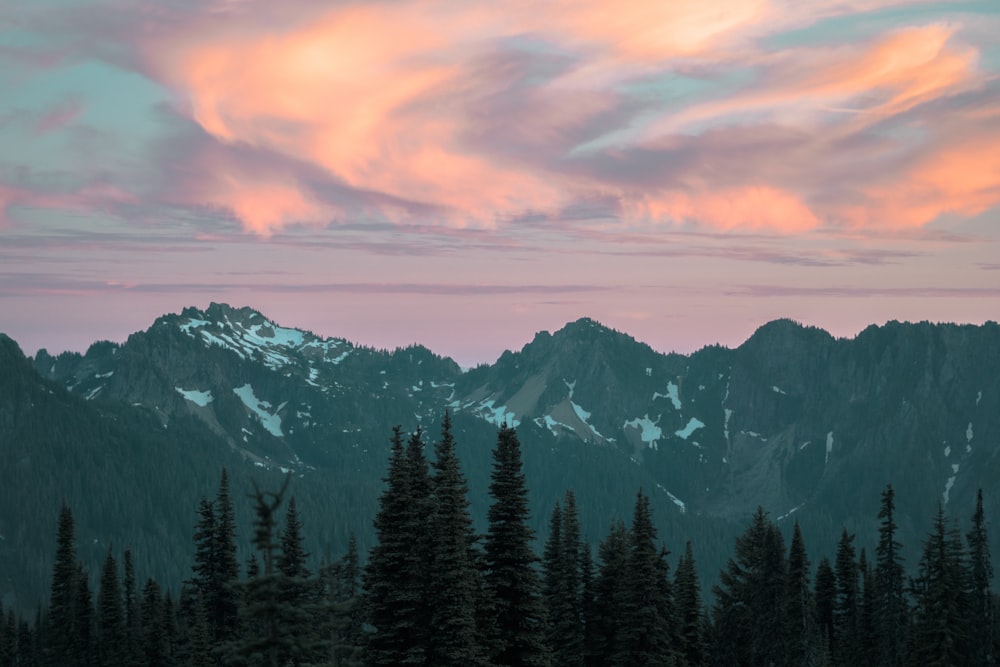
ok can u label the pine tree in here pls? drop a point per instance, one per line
(587, 603)
(826, 600)
(868, 645)
(153, 627)
(646, 635)
(748, 613)
(454, 578)
(292, 557)
(132, 627)
(83, 621)
(511, 576)
(112, 648)
(802, 640)
(395, 579)
(941, 591)
(891, 612)
(605, 630)
(563, 586)
(223, 604)
(845, 610)
(981, 605)
(64, 591)
(692, 643)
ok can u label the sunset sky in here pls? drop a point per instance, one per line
(462, 173)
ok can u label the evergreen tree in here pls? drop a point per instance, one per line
(748, 613)
(131, 626)
(153, 630)
(868, 644)
(647, 629)
(605, 630)
(802, 639)
(395, 576)
(587, 603)
(223, 603)
(83, 621)
(511, 576)
(692, 647)
(826, 600)
(563, 586)
(343, 590)
(292, 557)
(845, 610)
(891, 612)
(941, 592)
(112, 648)
(981, 603)
(454, 578)
(64, 590)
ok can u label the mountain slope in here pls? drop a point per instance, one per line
(809, 426)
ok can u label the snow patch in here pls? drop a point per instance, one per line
(104, 375)
(804, 445)
(270, 421)
(571, 386)
(789, 513)
(777, 390)
(947, 489)
(979, 397)
(693, 425)
(677, 501)
(650, 432)
(199, 398)
(725, 424)
(498, 415)
(947, 451)
(968, 433)
(193, 324)
(829, 447)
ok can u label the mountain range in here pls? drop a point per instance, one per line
(808, 426)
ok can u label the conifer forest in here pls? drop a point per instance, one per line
(433, 591)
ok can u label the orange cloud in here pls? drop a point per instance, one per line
(762, 208)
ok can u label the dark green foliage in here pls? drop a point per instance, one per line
(563, 585)
(343, 589)
(891, 612)
(395, 577)
(646, 617)
(982, 609)
(692, 648)
(802, 637)
(605, 630)
(826, 600)
(941, 591)
(112, 649)
(454, 578)
(845, 609)
(511, 577)
(748, 612)
(64, 590)
(868, 644)
(153, 627)
(133, 631)
(292, 558)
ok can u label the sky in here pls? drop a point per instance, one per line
(462, 174)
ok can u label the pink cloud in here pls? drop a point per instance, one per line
(63, 114)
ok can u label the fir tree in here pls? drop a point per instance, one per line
(692, 642)
(454, 578)
(891, 612)
(605, 630)
(646, 627)
(563, 589)
(826, 600)
(131, 608)
(64, 590)
(845, 610)
(223, 604)
(868, 644)
(981, 604)
(802, 640)
(292, 557)
(112, 647)
(511, 576)
(941, 591)
(83, 621)
(153, 627)
(395, 576)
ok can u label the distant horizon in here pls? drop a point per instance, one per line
(490, 357)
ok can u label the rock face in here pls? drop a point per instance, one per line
(808, 426)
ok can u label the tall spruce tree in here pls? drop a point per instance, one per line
(982, 612)
(868, 645)
(133, 651)
(454, 577)
(845, 610)
(647, 603)
(64, 591)
(153, 627)
(891, 610)
(511, 577)
(605, 629)
(83, 621)
(826, 600)
(395, 578)
(941, 590)
(112, 647)
(563, 589)
(692, 647)
(802, 638)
